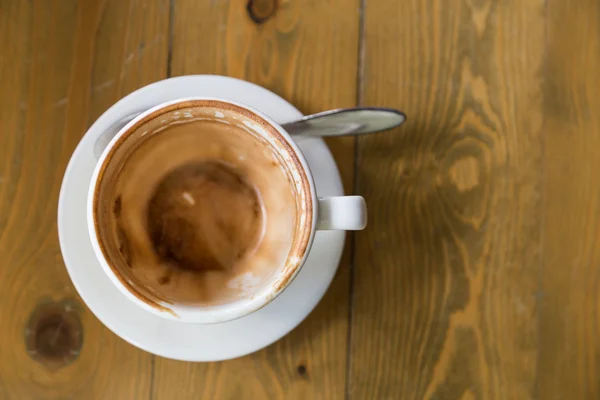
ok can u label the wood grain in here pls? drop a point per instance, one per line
(55, 57)
(569, 361)
(478, 274)
(306, 51)
(447, 271)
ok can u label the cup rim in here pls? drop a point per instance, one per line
(203, 314)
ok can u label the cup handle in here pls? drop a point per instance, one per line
(347, 213)
(106, 136)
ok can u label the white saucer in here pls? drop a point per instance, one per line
(174, 339)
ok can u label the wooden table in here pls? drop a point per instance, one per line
(478, 275)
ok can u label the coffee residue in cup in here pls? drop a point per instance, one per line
(196, 208)
(205, 216)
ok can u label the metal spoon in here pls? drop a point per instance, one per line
(339, 122)
(346, 121)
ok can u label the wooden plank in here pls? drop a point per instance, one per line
(448, 269)
(132, 44)
(306, 52)
(51, 346)
(569, 329)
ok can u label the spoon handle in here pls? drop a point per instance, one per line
(346, 121)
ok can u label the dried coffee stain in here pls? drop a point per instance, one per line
(117, 206)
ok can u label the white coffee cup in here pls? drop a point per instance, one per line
(327, 213)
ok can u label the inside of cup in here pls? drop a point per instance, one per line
(131, 174)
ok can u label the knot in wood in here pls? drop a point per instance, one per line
(261, 10)
(53, 335)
